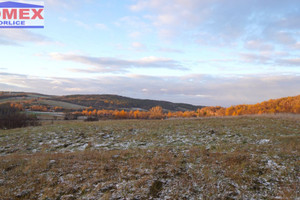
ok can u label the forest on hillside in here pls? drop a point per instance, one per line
(282, 105)
(273, 106)
(112, 102)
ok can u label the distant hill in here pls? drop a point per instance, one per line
(77, 102)
(272, 106)
(35, 101)
(281, 105)
(112, 102)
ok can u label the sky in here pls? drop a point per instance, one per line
(203, 52)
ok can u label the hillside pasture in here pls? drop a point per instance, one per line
(251, 157)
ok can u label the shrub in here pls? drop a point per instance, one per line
(70, 116)
(12, 117)
(91, 119)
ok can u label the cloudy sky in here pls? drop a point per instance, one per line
(204, 52)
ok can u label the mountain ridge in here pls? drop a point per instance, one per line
(36, 101)
(110, 101)
(100, 101)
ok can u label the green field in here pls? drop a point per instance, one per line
(251, 157)
(64, 105)
(40, 99)
(14, 99)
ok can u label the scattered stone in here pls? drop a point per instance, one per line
(23, 194)
(199, 153)
(52, 162)
(106, 136)
(115, 156)
(108, 188)
(68, 197)
(83, 147)
(263, 141)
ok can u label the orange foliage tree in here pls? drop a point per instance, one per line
(283, 105)
(156, 113)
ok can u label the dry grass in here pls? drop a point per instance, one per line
(217, 158)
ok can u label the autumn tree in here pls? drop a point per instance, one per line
(156, 113)
(12, 117)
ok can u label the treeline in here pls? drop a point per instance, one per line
(11, 116)
(273, 106)
(153, 113)
(42, 108)
(283, 105)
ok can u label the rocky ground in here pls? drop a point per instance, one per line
(213, 158)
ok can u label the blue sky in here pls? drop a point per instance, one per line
(204, 52)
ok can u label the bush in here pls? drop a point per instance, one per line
(70, 116)
(91, 119)
(12, 117)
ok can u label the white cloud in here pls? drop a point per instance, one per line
(222, 22)
(135, 34)
(258, 45)
(199, 89)
(282, 59)
(109, 64)
(170, 50)
(290, 62)
(18, 36)
(137, 46)
(256, 58)
(284, 38)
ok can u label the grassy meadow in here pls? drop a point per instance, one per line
(249, 157)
